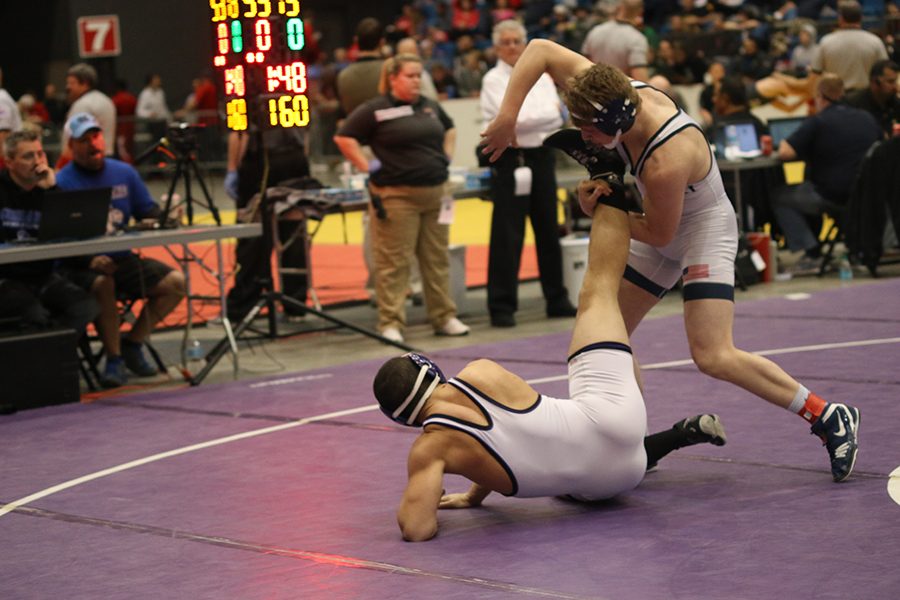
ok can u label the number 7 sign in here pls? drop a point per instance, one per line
(98, 35)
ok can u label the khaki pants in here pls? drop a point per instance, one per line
(410, 229)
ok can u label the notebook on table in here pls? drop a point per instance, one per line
(68, 215)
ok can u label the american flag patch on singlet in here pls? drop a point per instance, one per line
(695, 272)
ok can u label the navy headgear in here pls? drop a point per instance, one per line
(427, 379)
(615, 118)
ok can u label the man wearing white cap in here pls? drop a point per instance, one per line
(127, 274)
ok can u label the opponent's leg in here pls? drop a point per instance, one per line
(709, 329)
(599, 317)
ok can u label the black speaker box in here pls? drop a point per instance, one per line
(38, 369)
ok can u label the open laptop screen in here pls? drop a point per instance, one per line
(737, 140)
(74, 214)
(783, 128)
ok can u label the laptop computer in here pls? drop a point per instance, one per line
(737, 140)
(782, 128)
(74, 214)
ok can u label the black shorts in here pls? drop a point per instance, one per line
(134, 276)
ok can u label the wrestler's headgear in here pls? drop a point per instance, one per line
(405, 409)
(613, 119)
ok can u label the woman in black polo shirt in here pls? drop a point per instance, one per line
(413, 140)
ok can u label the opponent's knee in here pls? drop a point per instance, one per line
(713, 361)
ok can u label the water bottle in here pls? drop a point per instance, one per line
(845, 269)
(194, 355)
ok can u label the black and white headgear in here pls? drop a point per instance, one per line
(614, 119)
(427, 379)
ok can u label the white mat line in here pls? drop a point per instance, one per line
(275, 428)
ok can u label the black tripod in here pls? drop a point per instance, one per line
(182, 147)
(269, 297)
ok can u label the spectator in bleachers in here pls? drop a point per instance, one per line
(152, 106)
(32, 111)
(122, 273)
(444, 82)
(714, 74)
(466, 18)
(880, 98)
(7, 101)
(410, 23)
(33, 291)
(668, 64)
(125, 103)
(849, 51)
(502, 11)
(618, 41)
(806, 48)
(752, 64)
(84, 97)
(832, 143)
(468, 74)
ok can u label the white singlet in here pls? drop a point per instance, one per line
(705, 244)
(590, 447)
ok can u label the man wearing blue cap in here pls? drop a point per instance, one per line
(122, 273)
(687, 229)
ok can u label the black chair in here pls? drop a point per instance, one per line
(90, 358)
(877, 193)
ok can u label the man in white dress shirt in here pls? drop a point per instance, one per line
(540, 116)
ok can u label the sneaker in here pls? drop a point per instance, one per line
(807, 265)
(703, 429)
(113, 373)
(453, 327)
(838, 427)
(136, 361)
(393, 334)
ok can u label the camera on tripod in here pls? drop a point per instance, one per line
(182, 137)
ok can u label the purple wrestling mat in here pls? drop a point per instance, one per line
(287, 487)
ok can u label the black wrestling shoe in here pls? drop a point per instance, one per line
(702, 429)
(838, 427)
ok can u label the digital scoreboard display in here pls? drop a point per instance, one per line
(257, 60)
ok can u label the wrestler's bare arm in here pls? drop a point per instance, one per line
(539, 57)
(417, 514)
(666, 175)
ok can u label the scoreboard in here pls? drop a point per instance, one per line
(257, 60)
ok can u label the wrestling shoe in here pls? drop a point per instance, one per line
(133, 354)
(702, 429)
(838, 428)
